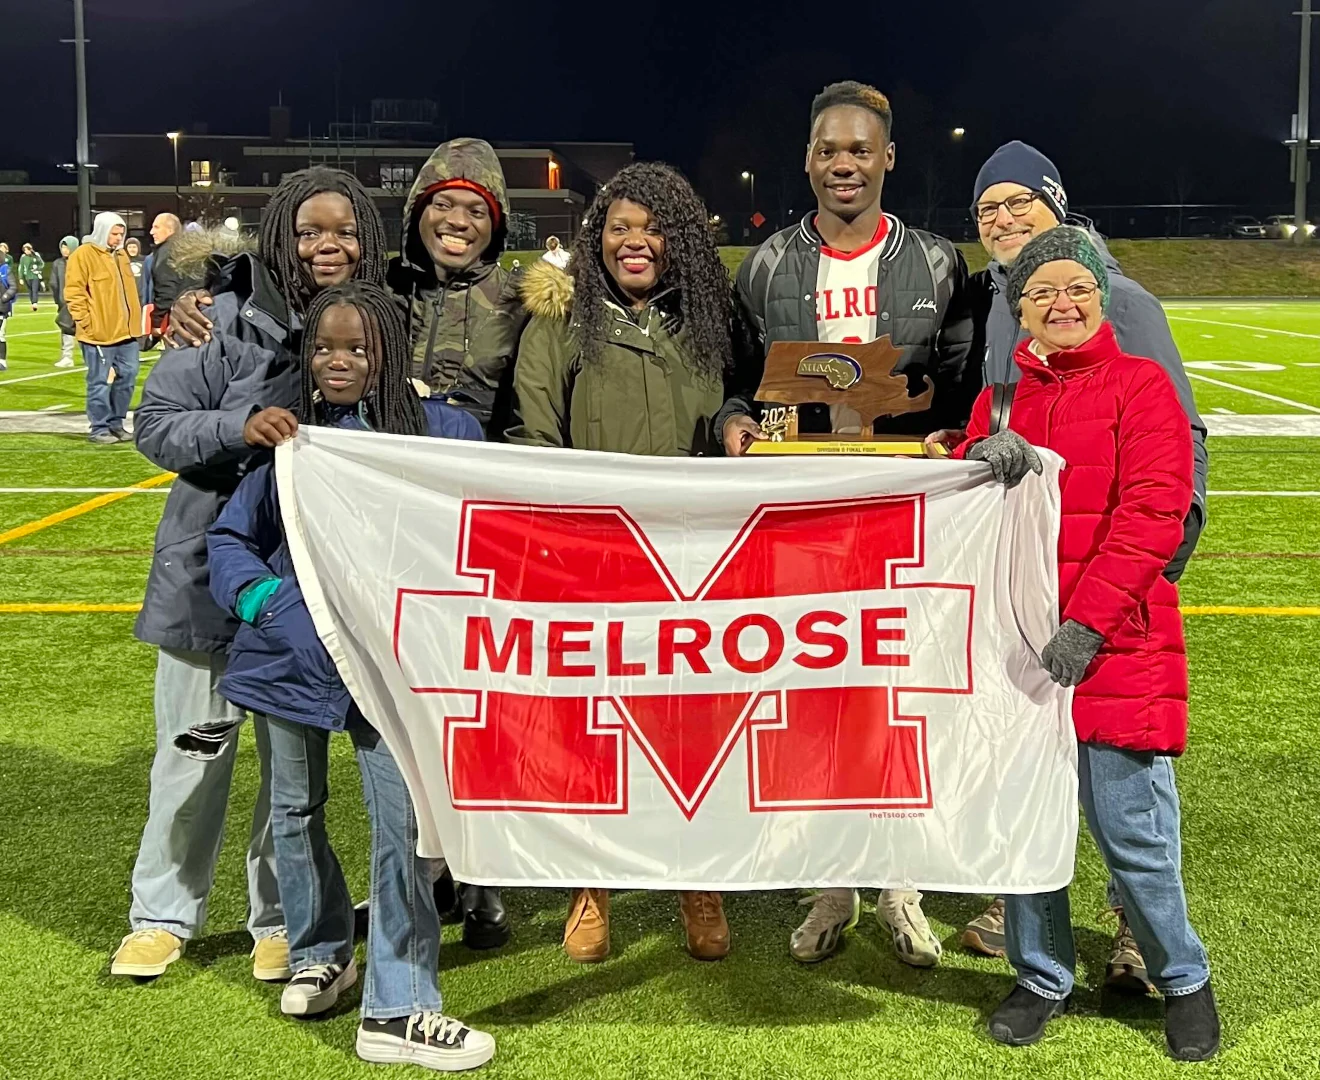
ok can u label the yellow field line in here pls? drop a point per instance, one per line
(67, 609)
(87, 507)
(84, 609)
(1271, 612)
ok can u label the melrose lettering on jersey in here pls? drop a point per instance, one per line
(576, 645)
(846, 303)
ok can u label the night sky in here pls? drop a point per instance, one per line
(1136, 100)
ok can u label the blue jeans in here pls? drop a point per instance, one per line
(1131, 806)
(34, 289)
(107, 401)
(403, 935)
(189, 795)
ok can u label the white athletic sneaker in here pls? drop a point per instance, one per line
(832, 912)
(900, 910)
(66, 362)
(429, 1039)
(316, 989)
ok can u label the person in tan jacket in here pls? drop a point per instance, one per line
(102, 297)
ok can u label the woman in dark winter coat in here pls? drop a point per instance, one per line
(628, 355)
(1117, 422)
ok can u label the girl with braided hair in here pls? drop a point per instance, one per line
(354, 375)
(629, 355)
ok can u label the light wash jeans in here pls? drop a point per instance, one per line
(1131, 806)
(67, 342)
(403, 934)
(108, 402)
(189, 796)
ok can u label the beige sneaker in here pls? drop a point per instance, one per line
(833, 911)
(270, 958)
(146, 953)
(915, 943)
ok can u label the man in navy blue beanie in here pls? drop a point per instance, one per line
(1020, 194)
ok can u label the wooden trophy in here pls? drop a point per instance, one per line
(860, 377)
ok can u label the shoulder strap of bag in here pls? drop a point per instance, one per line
(1001, 405)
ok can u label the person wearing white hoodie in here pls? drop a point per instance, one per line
(102, 298)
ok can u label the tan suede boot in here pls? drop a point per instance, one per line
(707, 929)
(587, 932)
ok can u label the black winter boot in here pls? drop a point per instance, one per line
(1191, 1025)
(1020, 1020)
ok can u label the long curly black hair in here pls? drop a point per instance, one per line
(278, 240)
(693, 267)
(390, 405)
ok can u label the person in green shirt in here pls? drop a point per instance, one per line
(30, 267)
(628, 353)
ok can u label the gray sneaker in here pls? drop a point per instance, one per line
(1126, 970)
(103, 438)
(985, 933)
(914, 941)
(832, 912)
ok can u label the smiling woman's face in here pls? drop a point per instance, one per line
(632, 248)
(327, 239)
(1062, 306)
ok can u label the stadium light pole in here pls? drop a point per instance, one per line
(1303, 152)
(83, 150)
(750, 177)
(173, 136)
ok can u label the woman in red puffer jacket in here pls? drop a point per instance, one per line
(1117, 422)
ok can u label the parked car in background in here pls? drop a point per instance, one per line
(1199, 225)
(1283, 226)
(1245, 227)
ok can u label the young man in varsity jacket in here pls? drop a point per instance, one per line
(852, 273)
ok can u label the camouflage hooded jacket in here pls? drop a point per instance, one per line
(464, 328)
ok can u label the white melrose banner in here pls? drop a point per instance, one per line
(604, 670)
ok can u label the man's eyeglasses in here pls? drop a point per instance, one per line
(1018, 205)
(1043, 296)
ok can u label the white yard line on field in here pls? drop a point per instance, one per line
(1265, 494)
(1245, 326)
(1253, 393)
(32, 333)
(48, 375)
(82, 491)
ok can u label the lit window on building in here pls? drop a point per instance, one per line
(201, 174)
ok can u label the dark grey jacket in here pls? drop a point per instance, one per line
(194, 408)
(1142, 329)
(922, 305)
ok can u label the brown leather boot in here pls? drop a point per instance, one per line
(587, 932)
(707, 929)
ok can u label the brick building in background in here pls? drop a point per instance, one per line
(549, 184)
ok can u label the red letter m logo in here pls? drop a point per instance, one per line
(576, 644)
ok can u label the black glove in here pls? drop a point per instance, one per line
(1009, 456)
(1070, 651)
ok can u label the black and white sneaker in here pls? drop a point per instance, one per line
(429, 1039)
(316, 989)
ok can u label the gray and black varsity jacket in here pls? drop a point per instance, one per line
(922, 304)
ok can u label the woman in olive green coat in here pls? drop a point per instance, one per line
(629, 355)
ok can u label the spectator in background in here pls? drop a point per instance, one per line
(63, 320)
(555, 253)
(103, 300)
(30, 267)
(8, 290)
(133, 248)
(166, 282)
(5, 260)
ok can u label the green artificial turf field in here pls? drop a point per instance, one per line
(76, 739)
